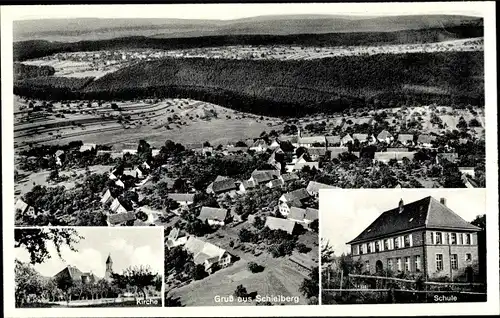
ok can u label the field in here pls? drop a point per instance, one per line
(181, 120)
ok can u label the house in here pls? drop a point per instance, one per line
(24, 208)
(387, 156)
(426, 141)
(175, 238)
(155, 152)
(130, 172)
(184, 199)
(88, 147)
(405, 139)
(222, 185)
(59, 155)
(446, 156)
(129, 151)
(300, 165)
(385, 136)
(259, 145)
(213, 216)
(346, 140)
(422, 236)
(294, 140)
(305, 216)
(332, 141)
(247, 185)
(272, 159)
(360, 137)
(308, 142)
(76, 275)
(120, 218)
(146, 165)
(294, 198)
(467, 171)
(313, 188)
(107, 197)
(276, 183)
(286, 225)
(287, 177)
(120, 206)
(207, 254)
(336, 151)
(263, 176)
(120, 183)
(316, 152)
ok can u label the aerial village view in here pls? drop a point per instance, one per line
(226, 145)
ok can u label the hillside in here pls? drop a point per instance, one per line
(71, 30)
(291, 88)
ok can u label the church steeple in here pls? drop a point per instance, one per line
(109, 267)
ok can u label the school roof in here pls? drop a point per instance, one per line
(424, 213)
(181, 197)
(280, 224)
(314, 187)
(121, 217)
(208, 213)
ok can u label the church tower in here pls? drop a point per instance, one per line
(109, 268)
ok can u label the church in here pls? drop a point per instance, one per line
(86, 277)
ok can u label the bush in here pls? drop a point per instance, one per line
(255, 268)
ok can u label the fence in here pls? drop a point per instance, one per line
(379, 289)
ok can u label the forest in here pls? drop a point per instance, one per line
(22, 71)
(25, 50)
(286, 88)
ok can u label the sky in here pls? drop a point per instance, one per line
(128, 246)
(344, 214)
(239, 10)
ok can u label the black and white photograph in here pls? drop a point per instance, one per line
(218, 126)
(403, 246)
(88, 267)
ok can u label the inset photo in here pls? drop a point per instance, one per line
(403, 246)
(88, 267)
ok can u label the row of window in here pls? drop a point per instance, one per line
(453, 261)
(384, 245)
(451, 238)
(396, 264)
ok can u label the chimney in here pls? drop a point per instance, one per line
(401, 205)
(442, 201)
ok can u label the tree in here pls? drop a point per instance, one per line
(65, 283)
(144, 148)
(255, 268)
(199, 272)
(27, 281)
(140, 277)
(35, 241)
(314, 225)
(310, 285)
(240, 144)
(259, 222)
(480, 221)
(240, 291)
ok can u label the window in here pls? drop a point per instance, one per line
(459, 239)
(439, 238)
(361, 250)
(396, 242)
(468, 257)
(369, 247)
(439, 262)
(453, 238)
(407, 240)
(389, 264)
(399, 264)
(386, 245)
(468, 239)
(367, 266)
(407, 264)
(377, 246)
(418, 267)
(454, 261)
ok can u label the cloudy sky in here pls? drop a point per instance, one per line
(127, 245)
(344, 214)
(239, 10)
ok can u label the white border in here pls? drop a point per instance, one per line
(484, 9)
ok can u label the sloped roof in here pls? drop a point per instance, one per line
(360, 137)
(21, 205)
(316, 151)
(313, 186)
(332, 140)
(280, 224)
(86, 147)
(336, 151)
(289, 177)
(450, 156)
(109, 260)
(426, 139)
(405, 137)
(312, 140)
(59, 152)
(248, 184)
(208, 213)
(296, 195)
(424, 213)
(297, 213)
(311, 214)
(299, 165)
(398, 155)
(347, 138)
(223, 185)
(72, 272)
(182, 197)
(259, 142)
(117, 202)
(203, 251)
(384, 134)
(273, 172)
(291, 139)
(262, 176)
(121, 217)
(275, 183)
